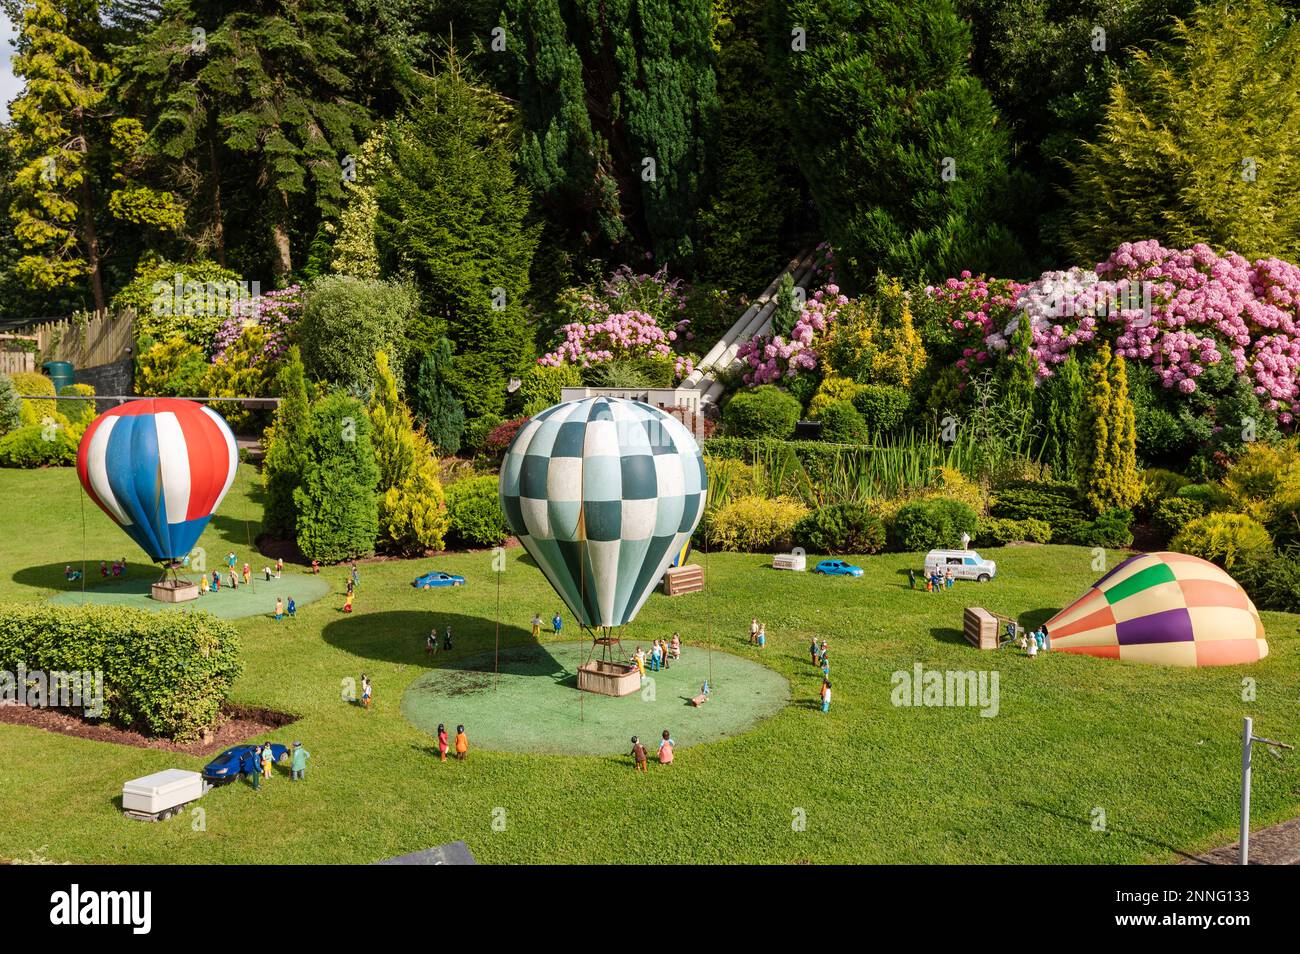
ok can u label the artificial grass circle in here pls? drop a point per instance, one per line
(534, 704)
(251, 599)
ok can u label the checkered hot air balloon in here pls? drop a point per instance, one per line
(1167, 608)
(603, 493)
(158, 467)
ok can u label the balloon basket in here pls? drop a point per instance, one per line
(174, 591)
(608, 678)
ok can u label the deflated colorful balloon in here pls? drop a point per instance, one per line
(603, 493)
(159, 468)
(1166, 608)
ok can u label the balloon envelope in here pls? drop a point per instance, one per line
(603, 493)
(1167, 608)
(158, 467)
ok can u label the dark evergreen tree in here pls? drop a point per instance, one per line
(286, 448)
(1062, 418)
(434, 402)
(452, 214)
(901, 147)
(338, 513)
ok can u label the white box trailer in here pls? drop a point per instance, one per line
(161, 795)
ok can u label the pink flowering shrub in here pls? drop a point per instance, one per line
(627, 316)
(1177, 312)
(276, 312)
(772, 359)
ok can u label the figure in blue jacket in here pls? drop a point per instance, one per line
(251, 766)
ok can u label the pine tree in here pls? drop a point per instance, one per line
(1123, 484)
(619, 101)
(285, 447)
(1020, 375)
(787, 310)
(901, 147)
(53, 203)
(1107, 455)
(434, 402)
(1063, 414)
(453, 214)
(338, 516)
(1200, 141)
(391, 429)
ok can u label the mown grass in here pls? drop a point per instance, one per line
(1155, 749)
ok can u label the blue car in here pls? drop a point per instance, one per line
(226, 765)
(837, 568)
(437, 578)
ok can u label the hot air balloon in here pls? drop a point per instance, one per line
(159, 468)
(1167, 608)
(603, 493)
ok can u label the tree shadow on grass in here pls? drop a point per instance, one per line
(139, 576)
(398, 636)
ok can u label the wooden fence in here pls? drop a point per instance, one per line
(88, 339)
(16, 354)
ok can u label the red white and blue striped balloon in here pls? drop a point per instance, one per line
(159, 468)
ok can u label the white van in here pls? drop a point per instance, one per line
(966, 565)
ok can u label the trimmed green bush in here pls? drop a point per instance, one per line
(883, 407)
(1271, 577)
(540, 387)
(842, 424)
(1172, 514)
(998, 531)
(764, 411)
(79, 413)
(38, 445)
(754, 524)
(346, 320)
(840, 529)
(338, 515)
(476, 432)
(1210, 496)
(165, 674)
(1223, 538)
(930, 524)
(474, 509)
(35, 410)
(11, 406)
(1059, 505)
(1110, 529)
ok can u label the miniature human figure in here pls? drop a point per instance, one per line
(292, 608)
(704, 688)
(1023, 641)
(248, 573)
(230, 560)
(656, 656)
(298, 763)
(638, 754)
(812, 650)
(826, 670)
(367, 690)
(442, 741)
(929, 584)
(948, 578)
(822, 653)
(638, 657)
(753, 631)
(268, 757)
(462, 743)
(216, 582)
(103, 569)
(279, 609)
(203, 584)
(356, 574)
(537, 625)
(266, 573)
(234, 580)
(557, 623)
(826, 695)
(762, 635)
(70, 574)
(666, 749)
(315, 567)
(1039, 639)
(446, 637)
(911, 578)
(1047, 638)
(430, 644)
(250, 766)
(1033, 646)
(349, 586)
(677, 645)
(279, 566)
(347, 602)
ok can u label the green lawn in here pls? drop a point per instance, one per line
(1155, 749)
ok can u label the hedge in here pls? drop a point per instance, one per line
(165, 674)
(764, 411)
(929, 524)
(999, 531)
(474, 511)
(841, 529)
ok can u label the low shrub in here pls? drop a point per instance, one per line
(474, 512)
(930, 524)
(1210, 496)
(842, 424)
(476, 432)
(834, 389)
(540, 386)
(841, 529)
(1271, 577)
(11, 406)
(1172, 514)
(498, 440)
(998, 531)
(1056, 504)
(754, 524)
(764, 411)
(79, 413)
(883, 407)
(39, 445)
(1223, 538)
(1112, 529)
(32, 383)
(165, 674)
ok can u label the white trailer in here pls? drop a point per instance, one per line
(161, 795)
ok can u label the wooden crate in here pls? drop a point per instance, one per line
(980, 627)
(684, 579)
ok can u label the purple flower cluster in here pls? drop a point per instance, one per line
(276, 312)
(772, 359)
(1177, 311)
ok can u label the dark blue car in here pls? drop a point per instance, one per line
(226, 765)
